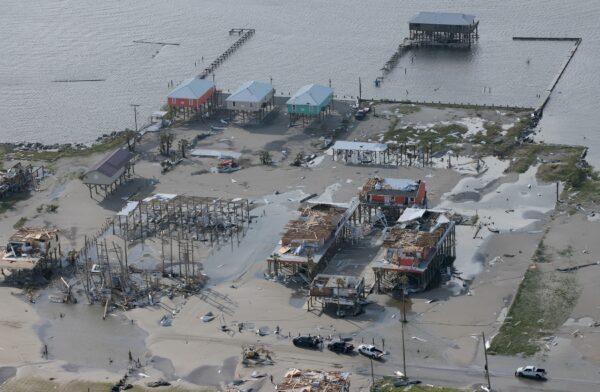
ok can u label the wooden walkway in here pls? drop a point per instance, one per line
(545, 97)
(404, 47)
(244, 35)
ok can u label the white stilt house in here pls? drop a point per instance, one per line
(253, 100)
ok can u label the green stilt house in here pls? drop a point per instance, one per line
(310, 101)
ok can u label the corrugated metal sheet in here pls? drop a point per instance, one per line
(359, 146)
(112, 163)
(251, 91)
(193, 88)
(311, 94)
(443, 18)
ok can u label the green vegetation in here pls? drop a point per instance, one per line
(119, 140)
(567, 252)
(440, 135)
(20, 223)
(8, 202)
(405, 109)
(387, 385)
(542, 304)
(41, 385)
(539, 256)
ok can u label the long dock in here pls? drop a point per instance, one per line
(405, 46)
(245, 35)
(545, 97)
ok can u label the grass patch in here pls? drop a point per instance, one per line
(8, 202)
(567, 252)
(20, 223)
(387, 385)
(405, 109)
(117, 141)
(543, 302)
(540, 254)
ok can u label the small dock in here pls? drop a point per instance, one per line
(244, 35)
(545, 97)
(405, 46)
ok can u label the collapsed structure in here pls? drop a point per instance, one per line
(344, 293)
(154, 246)
(30, 249)
(296, 380)
(416, 250)
(308, 242)
(19, 178)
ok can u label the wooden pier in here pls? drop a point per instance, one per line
(545, 97)
(244, 35)
(404, 47)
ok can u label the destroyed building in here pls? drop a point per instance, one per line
(343, 294)
(296, 380)
(30, 248)
(308, 242)
(155, 246)
(418, 248)
(392, 195)
(19, 178)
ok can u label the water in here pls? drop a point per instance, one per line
(295, 43)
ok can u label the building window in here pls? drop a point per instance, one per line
(233, 104)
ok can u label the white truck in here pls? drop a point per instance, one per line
(531, 372)
(370, 351)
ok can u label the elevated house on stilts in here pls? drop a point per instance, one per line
(194, 96)
(310, 101)
(253, 101)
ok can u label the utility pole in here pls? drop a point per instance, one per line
(403, 352)
(359, 90)
(487, 369)
(135, 106)
(372, 373)
(404, 282)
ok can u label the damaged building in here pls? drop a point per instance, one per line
(19, 178)
(391, 196)
(308, 242)
(155, 247)
(341, 293)
(416, 250)
(296, 380)
(28, 251)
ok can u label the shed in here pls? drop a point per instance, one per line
(191, 93)
(310, 100)
(109, 172)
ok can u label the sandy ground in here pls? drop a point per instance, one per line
(442, 337)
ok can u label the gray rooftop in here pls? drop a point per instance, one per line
(443, 18)
(113, 162)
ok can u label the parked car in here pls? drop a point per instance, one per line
(531, 372)
(340, 346)
(368, 350)
(307, 341)
(360, 114)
